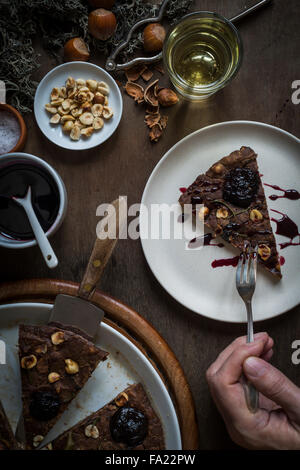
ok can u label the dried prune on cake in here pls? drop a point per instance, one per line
(240, 186)
(44, 405)
(129, 425)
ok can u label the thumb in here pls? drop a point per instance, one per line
(273, 384)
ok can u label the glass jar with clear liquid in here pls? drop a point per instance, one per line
(202, 53)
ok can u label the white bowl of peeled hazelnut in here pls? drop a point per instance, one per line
(78, 105)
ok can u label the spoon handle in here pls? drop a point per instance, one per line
(42, 240)
(249, 10)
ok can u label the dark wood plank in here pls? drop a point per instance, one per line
(262, 92)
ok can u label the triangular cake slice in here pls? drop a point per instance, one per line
(127, 422)
(235, 205)
(55, 365)
(7, 439)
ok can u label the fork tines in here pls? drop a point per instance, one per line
(247, 265)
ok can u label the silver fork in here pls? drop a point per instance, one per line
(245, 284)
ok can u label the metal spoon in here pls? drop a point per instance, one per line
(42, 240)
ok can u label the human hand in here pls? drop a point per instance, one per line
(276, 425)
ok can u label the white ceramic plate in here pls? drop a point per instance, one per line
(125, 365)
(57, 77)
(187, 275)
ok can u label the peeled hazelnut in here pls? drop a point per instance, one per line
(71, 366)
(76, 112)
(75, 133)
(218, 168)
(264, 252)
(76, 49)
(222, 213)
(97, 110)
(121, 399)
(28, 362)
(55, 119)
(37, 440)
(49, 446)
(203, 212)
(58, 337)
(102, 24)
(86, 106)
(54, 94)
(87, 131)
(84, 89)
(167, 97)
(53, 377)
(50, 109)
(154, 36)
(62, 111)
(80, 82)
(57, 102)
(68, 126)
(90, 96)
(98, 123)
(86, 119)
(107, 112)
(66, 104)
(92, 85)
(91, 431)
(70, 83)
(72, 92)
(63, 92)
(255, 215)
(41, 349)
(103, 88)
(67, 117)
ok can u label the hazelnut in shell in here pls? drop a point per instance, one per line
(102, 24)
(76, 49)
(154, 36)
(167, 97)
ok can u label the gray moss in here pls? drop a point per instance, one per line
(56, 21)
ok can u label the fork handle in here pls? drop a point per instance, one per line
(250, 333)
(251, 394)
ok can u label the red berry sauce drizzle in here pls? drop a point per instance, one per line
(291, 194)
(218, 263)
(287, 228)
(204, 240)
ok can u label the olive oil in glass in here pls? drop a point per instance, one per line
(202, 53)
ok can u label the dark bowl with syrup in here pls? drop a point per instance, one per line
(49, 198)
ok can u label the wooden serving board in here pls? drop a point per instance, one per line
(133, 326)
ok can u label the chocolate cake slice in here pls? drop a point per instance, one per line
(127, 422)
(235, 205)
(55, 365)
(7, 439)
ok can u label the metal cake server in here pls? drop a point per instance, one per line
(78, 312)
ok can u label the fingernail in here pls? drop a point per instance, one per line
(254, 367)
(259, 335)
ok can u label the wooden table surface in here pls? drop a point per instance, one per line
(260, 92)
